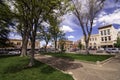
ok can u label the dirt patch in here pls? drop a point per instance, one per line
(60, 63)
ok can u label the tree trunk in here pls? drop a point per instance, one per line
(24, 43)
(24, 47)
(55, 45)
(31, 63)
(87, 47)
(33, 38)
(46, 46)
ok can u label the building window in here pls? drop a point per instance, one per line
(95, 39)
(104, 32)
(108, 31)
(105, 38)
(101, 32)
(109, 38)
(90, 44)
(18, 43)
(102, 39)
(94, 43)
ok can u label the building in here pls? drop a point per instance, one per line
(68, 45)
(17, 43)
(106, 37)
(94, 41)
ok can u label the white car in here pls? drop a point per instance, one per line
(14, 52)
(112, 50)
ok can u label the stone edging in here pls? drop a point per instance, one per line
(106, 61)
(89, 62)
(97, 62)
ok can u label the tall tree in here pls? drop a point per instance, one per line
(55, 20)
(40, 9)
(44, 35)
(34, 12)
(62, 43)
(86, 11)
(56, 33)
(5, 22)
(22, 15)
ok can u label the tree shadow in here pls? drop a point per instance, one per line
(47, 70)
(17, 67)
(6, 56)
(60, 63)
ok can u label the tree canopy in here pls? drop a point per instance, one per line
(5, 22)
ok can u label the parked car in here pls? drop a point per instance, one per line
(112, 50)
(14, 52)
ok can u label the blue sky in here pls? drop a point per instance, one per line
(109, 15)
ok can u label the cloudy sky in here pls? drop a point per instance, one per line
(109, 15)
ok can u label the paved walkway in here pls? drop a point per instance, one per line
(85, 71)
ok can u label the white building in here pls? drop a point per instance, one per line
(106, 37)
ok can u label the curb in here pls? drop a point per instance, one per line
(105, 61)
(89, 62)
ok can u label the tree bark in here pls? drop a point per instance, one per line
(46, 46)
(87, 48)
(55, 45)
(33, 38)
(24, 47)
(24, 43)
(31, 63)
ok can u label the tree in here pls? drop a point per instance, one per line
(40, 9)
(80, 45)
(86, 12)
(56, 33)
(22, 18)
(117, 44)
(44, 35)
(62, 43)
(5, 22)
(33, 13)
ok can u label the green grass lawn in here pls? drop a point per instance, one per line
(92, 58)
(14, 68)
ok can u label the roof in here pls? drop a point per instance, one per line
(15, 40)
(116, 26)
(105, 26)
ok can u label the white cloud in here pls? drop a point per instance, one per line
(105, 18)
(70, 20)
(71, 36)
(45, 24)
(66, 28)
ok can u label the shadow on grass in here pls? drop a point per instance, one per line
(17, 67)
(10, 55)
(47, 70)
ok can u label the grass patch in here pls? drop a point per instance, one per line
(14, 68)
(92, 58)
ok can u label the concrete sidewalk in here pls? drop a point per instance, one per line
(85, 71)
